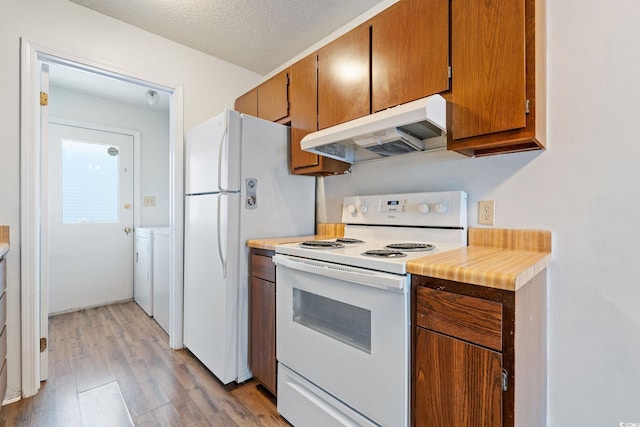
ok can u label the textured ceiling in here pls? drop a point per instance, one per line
(258, 35)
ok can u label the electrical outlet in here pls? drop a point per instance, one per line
(149, 201)
(486, 212)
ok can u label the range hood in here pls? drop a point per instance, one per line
(413, 127)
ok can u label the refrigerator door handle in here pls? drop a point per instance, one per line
(223, 260)
(220, 150)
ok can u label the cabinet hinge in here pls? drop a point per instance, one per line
(43, 344)
(526, 106)
(44, 99)
(449, 71)
(504, 380)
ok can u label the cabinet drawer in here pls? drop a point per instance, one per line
(262, 267)
(468, 318)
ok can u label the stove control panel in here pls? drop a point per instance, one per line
(392, 205)
(434, 209)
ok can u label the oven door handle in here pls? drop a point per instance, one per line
(375, 279)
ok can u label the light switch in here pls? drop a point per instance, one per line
(149, 201)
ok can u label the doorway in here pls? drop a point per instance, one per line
(90, 217)
(33, 307)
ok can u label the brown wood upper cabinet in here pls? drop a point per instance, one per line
(269, 101)
(304, 120)
(273, 97)
(248, 103)
(343, 78)
(409, 52)
(492, 103)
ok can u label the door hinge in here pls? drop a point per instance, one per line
(44, 99)
(43, 344)
(449, 72)
(504, 380)
(526, 106)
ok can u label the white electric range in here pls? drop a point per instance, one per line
(343, 311)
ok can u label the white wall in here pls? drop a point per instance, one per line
(210, 85)
(585, 188)
(153, 126)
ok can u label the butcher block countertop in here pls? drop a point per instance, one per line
(497, 258)
(325, 231)
(4, 240)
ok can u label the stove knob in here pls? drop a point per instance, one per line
(352, 210)
(423, 208)
(364, 209)
(440, 208)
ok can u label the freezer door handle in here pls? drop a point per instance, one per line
(223, 260)
(220, 150)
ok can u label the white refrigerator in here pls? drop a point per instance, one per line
(237, 187)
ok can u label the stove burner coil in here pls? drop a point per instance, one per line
(348, 240)
(321, 244)
(384, 253)
(411, 247)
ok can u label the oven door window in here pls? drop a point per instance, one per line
(343, 322)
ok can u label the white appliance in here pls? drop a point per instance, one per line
(343, 309)
(161, 281)
(143, 278)
(416, 126)
(238, 187)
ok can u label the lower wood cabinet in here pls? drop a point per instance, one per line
(478, 354)
(3, 329)
(456, 383)
(262, 322)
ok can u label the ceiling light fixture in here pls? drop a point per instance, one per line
(152, 97)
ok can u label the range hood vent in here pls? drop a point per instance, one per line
(408, 128)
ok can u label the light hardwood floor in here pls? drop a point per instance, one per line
(111, 366)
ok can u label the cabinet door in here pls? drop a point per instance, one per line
(488, 49)
(303, 93)
(343, 78)
(455, 383)
(248, 103)
(263, 332)
(273, 97)
(304, 120)
(409, 52)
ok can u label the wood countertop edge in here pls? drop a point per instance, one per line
(504, 269)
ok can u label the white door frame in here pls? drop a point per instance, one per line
(30, 195)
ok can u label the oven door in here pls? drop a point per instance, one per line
(346, 330)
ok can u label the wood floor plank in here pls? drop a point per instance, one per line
(119, 344)
(65, 410)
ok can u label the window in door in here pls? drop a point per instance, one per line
(89, 182)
